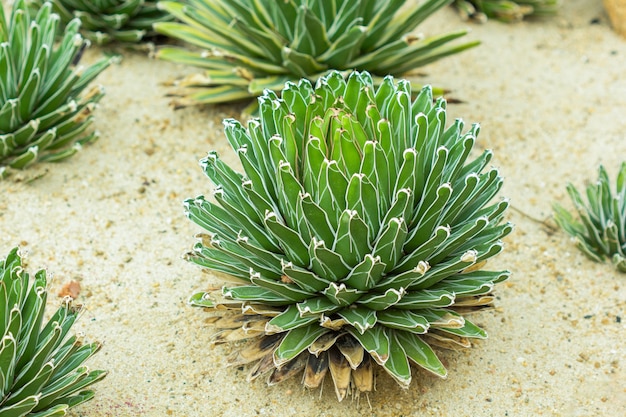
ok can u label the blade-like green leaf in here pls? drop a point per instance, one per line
(421, 353)
(295, 342)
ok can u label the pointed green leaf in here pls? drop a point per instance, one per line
(375, 341)
(301, 64)
(421, 353)
(361, 318)
(468, 330)
(361, 196)
(352, 237)
(327, 263)
(458, 238)
(287, 291)
(290, 241)
(424, 225)
(296, 341)
(366, 274)
(255, 293)
(444, 270)
(305, 279)
(382, 301)
(472, 283)
(288, 320)
(21, 408)
(341, 295)
(403, 279)
(317, 219)
(403, 320)
(389, 246)
(31, 387)
(432, 297)
(8, 349)
(424, 251)
(397, 365)
(317, 306)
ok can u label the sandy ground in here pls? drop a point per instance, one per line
(551, 98)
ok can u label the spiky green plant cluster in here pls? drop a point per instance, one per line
(356, 233)
(505, 10)
(248, 46)
(600, 229)
(44, 114)
(105, 21)
(41, 368)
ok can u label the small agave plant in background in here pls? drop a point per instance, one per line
(600, 230)
(41, 368)
(105, 21)
(355, 236)
(505, 10)
(44, 114)
(247, 46)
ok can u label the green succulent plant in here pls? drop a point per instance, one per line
(600, 229)
(505, 10)
(247, 46)
(105, 21)
(356, 234)
(44, 112)
(41, 368)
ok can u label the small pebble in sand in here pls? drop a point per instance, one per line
(70, 289)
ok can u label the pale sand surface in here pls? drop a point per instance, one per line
(551, 99)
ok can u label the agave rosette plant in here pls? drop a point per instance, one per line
(600, 229)
(505, 10)
(247, 46)
(356, 234)
(105, 21)
(45, 112)
(41, 366)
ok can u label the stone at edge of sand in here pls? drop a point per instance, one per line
(616, 9)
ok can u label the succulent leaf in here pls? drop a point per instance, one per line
(505, 10)
(105, 21)
(600, 228)
(44, 110)
(41, 369)
(247, 46)
(371, 262)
